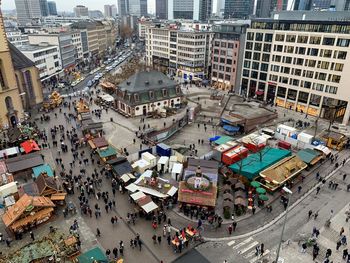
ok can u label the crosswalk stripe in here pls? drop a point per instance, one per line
(249, 247)
(243, 243)
(256, 258)
(231, 243)
(250, 254)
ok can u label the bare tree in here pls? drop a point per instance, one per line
(125, 31)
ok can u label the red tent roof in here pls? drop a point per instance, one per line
(29, 146)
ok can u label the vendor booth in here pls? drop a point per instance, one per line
(220, 149)
(172, 160)
(276, 176)
(149, 158)
(107, 153)
(176, 172)
(163, 150)
(28, 211)
(42, 169)
(255, 142)
(140, 166)
(10, 152)
(163, 164)
(22, 165)
(234, 155)
(250, 167)
(29, 146)
(309, 156)
(98, 142)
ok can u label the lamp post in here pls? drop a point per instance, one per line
(284, 224)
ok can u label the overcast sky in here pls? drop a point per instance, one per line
(68, 5)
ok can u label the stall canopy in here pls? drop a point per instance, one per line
(127, 177)
(100, 142)
(44, 168)
(93, 255)
(3, 168)
(326, 151)
(309, 156)
(132, 187)
(23, 162)
(212, 139)
(9, 152)
(137, 195)
(147, 204)
(122, 168)
(230, 128)
(109, 151)
(30, 146)
(223, 139)
(251, 166)
(177, 168)
(107, 97)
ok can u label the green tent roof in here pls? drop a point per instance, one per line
(223, 139)
(44, 168)
(109, 151)
(307, 155)
(91, 255)
(251, 166)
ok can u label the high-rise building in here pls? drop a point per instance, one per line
(183, 51)
(27, 10)
(205, 9)
(238, 8)
(108, 10)
(81, 10)
(138, 7)
(114, 11)
(228, 47)
(291, 66)
(162, 9)
(123, 7)
(263, 8)
(52, 8)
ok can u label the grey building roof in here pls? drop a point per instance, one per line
(147, 87)
(19, 60)
(146, 81)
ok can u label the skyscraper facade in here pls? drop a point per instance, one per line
(162, 9)
(138, 7)
(238, 8)
(81, 10)
(52, 8)
(123, 7)
(27, 10)
(205, 9)
(108, 10)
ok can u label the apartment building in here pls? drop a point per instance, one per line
(177, 51)
(63, 41)
(302, 65)
(16, 37)
(45, 57)
(77, 43)
(228, 47)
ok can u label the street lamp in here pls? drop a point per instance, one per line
(288, 191)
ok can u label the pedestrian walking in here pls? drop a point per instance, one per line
(345, 253)
(140, 244)
(253, 210)
(318, 190)
(234, 225)
(115, 252)
(32, 235)
(310, 214)
(344, 176)
(341, 231)
(168, 238)
(108, 253)
(98, 232)
(316, 215)
(262, 249)
(154, 238)
(159, 238)
(338, 245)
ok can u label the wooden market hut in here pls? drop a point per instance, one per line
(28, 212)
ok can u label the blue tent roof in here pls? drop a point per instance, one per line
(211, 139)
(230, 128)
(44, 168)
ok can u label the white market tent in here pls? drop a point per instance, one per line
(127, 177)
(107, 98)
(149, 207)
(147, 173)
(172, 191)
(151, 192)
(177, 170)
(132, 187)
(323, 149)
(8, 152)
(137, 195)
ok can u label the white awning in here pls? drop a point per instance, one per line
(163, 160)
(125, 178)
(177, 168)
(147, 173)
(137, 195)
(149, 207)
(151, 192)
(323, 149)
(9, 152)
(172, 191)
(107, 97)
(132, 188)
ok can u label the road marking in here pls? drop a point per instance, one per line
(256, 258)
(250, 254)
(231, 243)
(249, 247)
(243, 243)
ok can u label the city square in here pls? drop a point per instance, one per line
(163, 132)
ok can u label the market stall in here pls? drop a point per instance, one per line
(147, 204)
(28, 211)
(42, 169)
(163, 164)
(98, 143)
(276, 176)
(107, 153)
(22, 165)
(309, 156)
(140, 166)
(219, 150)
(176, 172)
(30, 146)
(10, 152)
(234, 155)
(149, 158)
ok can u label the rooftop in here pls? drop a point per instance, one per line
(30, 48)
(19, 60)
(144, 81)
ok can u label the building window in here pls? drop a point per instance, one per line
(248, 55)
(263, 76)
(338, 67)
(9, 103)
(326, 53)
(254, 74)
(328, 41)
(255, 65)
(227, 77)
(302, 39)
(279, 37)
(250, 36)
(229, 61)
(267, 48)
(215, 74)
(217, 43)
(315, 40)
(264, 67)
(249, 45)
(342, 54)
(221, 75)
(336, 78)
(257, 46)
(246, 64)
(259, 37)
(341, 42)
(245, 73)
(222, 60)
(228, 69)
(223, 44)
(290, 38)
(256, 56)
(278, 48)
(230, 45)
(268, 37)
